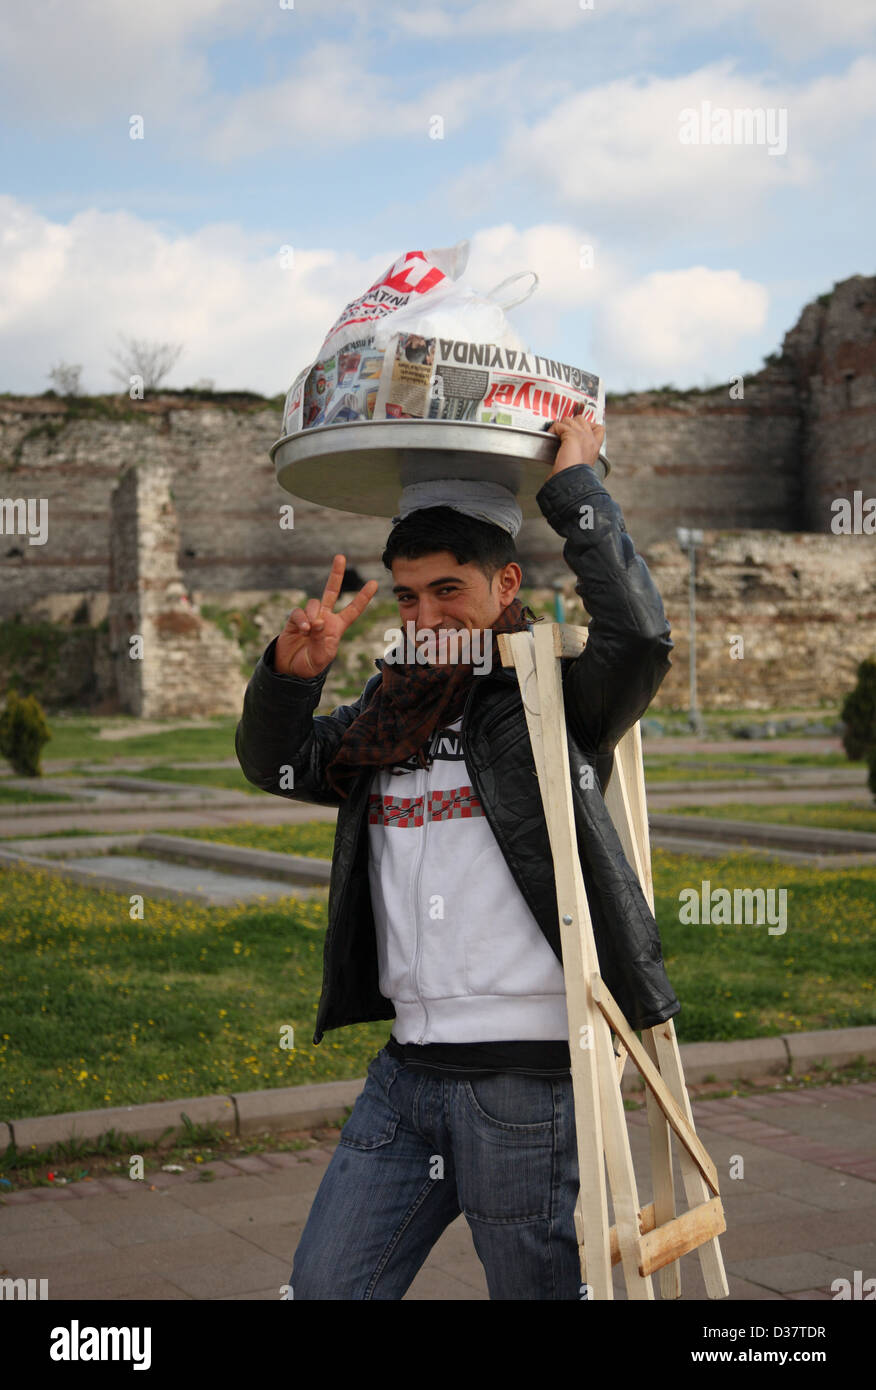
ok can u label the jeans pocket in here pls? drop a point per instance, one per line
(524, 1104)
(373, 1122)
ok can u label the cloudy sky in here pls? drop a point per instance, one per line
(354, 131)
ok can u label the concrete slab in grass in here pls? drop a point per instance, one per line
(734, 1061)
(146, 1122)
(296, 1107)
(837, 1047)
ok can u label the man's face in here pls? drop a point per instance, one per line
(436, 592)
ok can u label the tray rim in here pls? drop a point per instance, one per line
(323, 431)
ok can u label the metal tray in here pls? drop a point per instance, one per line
(363, 465)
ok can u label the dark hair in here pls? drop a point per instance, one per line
(471, 541)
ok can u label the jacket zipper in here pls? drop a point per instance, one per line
(416, 900)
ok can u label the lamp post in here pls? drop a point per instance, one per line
(689, 540)
(559, 601)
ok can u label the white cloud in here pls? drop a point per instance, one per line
(675, 322)
(793, 28)
(333, 101)
(615, 151)
(75, 64)
(68, 291)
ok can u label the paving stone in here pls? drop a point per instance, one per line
(856, 1255)
(744, 1291)
(34, 1217)
(123, 1187)
(745, 1103)
(780, 1237)
(466, 1268)
(250, 1163)
(858, 1168)
(811, 1296)
(289, 1209)
(151, 1290)
(833, 1191)
(744, 1203)
(218, 1166)
(142, 1262)
(318, 1158)
(203, 1195)
(786, 1273)
(110, 1206)
(270, 1295)
(433, 1284)
(17, 1199)
(274, 1239)
(795, 1098)
(50, 1243)
(230, 1278)
(162, 1220)
(54, 1194)
(281, 1160)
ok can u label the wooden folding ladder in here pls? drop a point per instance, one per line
(643, 1239)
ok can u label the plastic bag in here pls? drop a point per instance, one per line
(456, 310)
(343, 381)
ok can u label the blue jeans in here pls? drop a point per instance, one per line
(418, 1150)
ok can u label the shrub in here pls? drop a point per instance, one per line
(23, 731)
(858, 713)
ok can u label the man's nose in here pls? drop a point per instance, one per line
(429, 613)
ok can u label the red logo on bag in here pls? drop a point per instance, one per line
(412, 273)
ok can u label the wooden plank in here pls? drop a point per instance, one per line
(647, 1222)
(632, 829)
(686, 1232)
(695, 1189)
(678, 1120)
(571, 896)
(585, 1022)
(661, 1042)
(661, 1174)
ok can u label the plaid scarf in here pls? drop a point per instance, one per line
(411, 702)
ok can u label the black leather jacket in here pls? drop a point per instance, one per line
(605, 690)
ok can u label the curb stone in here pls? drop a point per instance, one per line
(324, 1103)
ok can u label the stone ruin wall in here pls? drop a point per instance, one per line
(767, 465)
(168, 661)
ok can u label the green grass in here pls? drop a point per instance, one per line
(101, 1010)
(315, 839)
(231, 778)
(76, 737)
(14, 794)
(826, 815)
(741, 982)
(717, 766)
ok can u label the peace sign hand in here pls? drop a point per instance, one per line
(309, 642)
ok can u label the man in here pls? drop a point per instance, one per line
(442, 909)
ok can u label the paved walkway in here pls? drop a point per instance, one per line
(803, 1215)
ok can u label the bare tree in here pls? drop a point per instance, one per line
(148, 360)
(65, 378)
